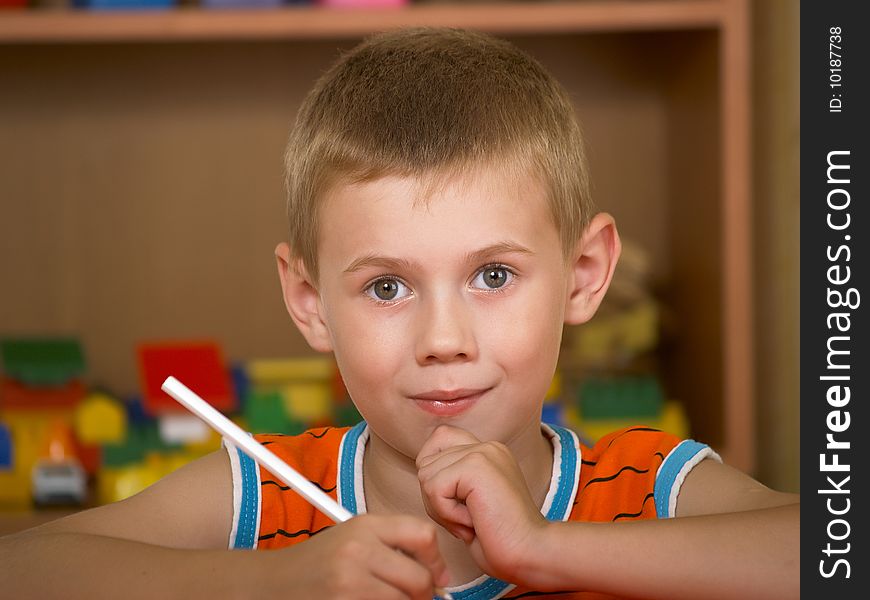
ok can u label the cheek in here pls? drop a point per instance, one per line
(528, 341)
(367, 351)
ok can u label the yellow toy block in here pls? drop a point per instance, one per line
(555, 387)
(118, 483)
(100, 419)
(308, 402)
(270, 372)
(14, 489)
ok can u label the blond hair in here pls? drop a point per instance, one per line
(428, 102)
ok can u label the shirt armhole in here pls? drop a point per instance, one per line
(672, 472)
(246, 499)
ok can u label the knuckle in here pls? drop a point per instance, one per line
(428, 534)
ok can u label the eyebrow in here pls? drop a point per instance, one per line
(372, 260)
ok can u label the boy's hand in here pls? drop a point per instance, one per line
(359, 559)
(477, 492)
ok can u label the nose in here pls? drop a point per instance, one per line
(446, 331)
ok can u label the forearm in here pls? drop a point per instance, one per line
(80, 565)
(752, 554)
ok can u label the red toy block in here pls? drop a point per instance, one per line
(91, 457)
(17, 396)
(197, 364)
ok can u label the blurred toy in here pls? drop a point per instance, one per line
(182, 429)
(5, 448)
(627, 323)
(100, 419)
(41, 362)
(198, 362)
(305, 385)
(59, 482)
(605, 405)
(124, 4)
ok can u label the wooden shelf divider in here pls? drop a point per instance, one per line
(302, 22)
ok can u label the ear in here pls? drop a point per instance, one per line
(302, 299)
(591, 268)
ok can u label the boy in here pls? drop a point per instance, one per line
(440, 236)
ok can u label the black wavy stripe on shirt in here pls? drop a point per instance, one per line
(615, 475)
(632, 430)
(315, 436)
(612, 477)
(284, 488)
(292, 534)
(322, 433)
(638, 513)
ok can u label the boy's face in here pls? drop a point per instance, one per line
(464, 296)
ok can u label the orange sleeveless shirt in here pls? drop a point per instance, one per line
(634, 473)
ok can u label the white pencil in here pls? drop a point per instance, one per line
(260, 454)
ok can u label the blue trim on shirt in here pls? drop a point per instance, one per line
(247, 528)
(347, 467)
(667, 475)
(558, 510)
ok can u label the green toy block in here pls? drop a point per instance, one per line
(42, 361)
(142, 439)
(624, 398)
(265, 413)
(347, 415)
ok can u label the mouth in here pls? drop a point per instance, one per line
(448, 404)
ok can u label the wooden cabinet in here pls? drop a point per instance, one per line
(140, 162)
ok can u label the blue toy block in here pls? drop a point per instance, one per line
(136, 414)
(124, 4)
(5, 448)
(553, 413)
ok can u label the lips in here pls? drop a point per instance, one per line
(448, 403)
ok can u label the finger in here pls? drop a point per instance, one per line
(402, 572)
(443, 459)
(416, 538)
(443, 495)
(444, 437)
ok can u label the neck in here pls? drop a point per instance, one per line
(391, 477)
(391, 486)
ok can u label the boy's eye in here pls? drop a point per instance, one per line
(494, 277)
(386, 289)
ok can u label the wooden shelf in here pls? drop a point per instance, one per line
(131, 138)
(189, 24)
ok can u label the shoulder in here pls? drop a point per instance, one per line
(309, 448)
(642, 464)
(266, 512)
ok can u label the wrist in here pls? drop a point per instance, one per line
(538, 557)
(555, 561)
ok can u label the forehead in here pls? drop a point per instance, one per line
(434, 218)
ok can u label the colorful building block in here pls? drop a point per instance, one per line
(42, 361)
(182, 429)
(16, 396)
(308, 402)
(100, 419)
(265, 413)
(197, 364)
(6, 448)
(277, 371)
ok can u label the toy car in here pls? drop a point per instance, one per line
(59, 482)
